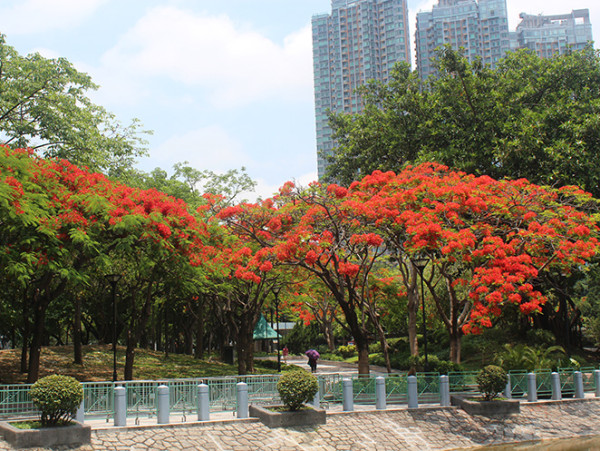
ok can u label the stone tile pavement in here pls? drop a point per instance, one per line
(425, 428)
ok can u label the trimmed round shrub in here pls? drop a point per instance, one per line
(297, 387)
(491, 381)
(57, 398)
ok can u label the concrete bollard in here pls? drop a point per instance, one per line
(316, 402)
(347, 395)
(578, 377)
(80, 414)
(531, 387)
(203, 403)
(556, 389)
(162, 413)
(508, 388)
(413, 400)
(380, 402)
(444, 391)
(120, 406)
(597, 382)
(242, 400)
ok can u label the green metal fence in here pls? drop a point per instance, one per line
(262, 389)
(518, 383)
(396, 389)
(543, 380)
(428, 388)
(15, 401)
(463, 382)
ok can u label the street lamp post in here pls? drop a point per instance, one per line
(276, 293)
(420, 263)
(113, 279)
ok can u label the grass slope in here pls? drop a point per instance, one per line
(98, 365)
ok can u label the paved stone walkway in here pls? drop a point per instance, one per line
(425, 428)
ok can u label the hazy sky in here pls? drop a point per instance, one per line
(223, 83)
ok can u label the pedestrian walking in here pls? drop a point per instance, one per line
(285, 353)
(313, 356)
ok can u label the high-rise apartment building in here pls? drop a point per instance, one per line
(360, 40)
(479, 27)
(549, 35)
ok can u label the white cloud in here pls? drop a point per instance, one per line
(237, 64)
(37, 16)
(205, 148)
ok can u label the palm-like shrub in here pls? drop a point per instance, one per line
(57, 398)
(297, 387)
(523, 357)
(491, 381)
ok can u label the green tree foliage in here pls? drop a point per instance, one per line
(531, 117)
(189, 184)
(43, 105)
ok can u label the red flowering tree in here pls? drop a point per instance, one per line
(65, 225)
(47, 240)
(248, 276)
(313, 302)
(313, 231)
(487, 240)
(163, 249)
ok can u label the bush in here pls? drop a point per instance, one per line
(347, 351)
(491, 381)
(57, 397)
(297, 387)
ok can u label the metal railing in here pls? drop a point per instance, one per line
(262, 389)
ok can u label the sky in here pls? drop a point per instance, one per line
(222, 83)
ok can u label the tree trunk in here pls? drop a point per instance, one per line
(77, 349)
(35, 349)
(328, 332)
(137, 326)
(245, 348)
(25, 334)
(455, 339)
(385, 347)
(24, 346)
(129, 355)
(362, 346)
(199, 349)
(24, 362)
(413, 308)
(241, 352)
(188, 336)
(167, 340)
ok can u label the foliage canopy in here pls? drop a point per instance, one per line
(531, 118)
